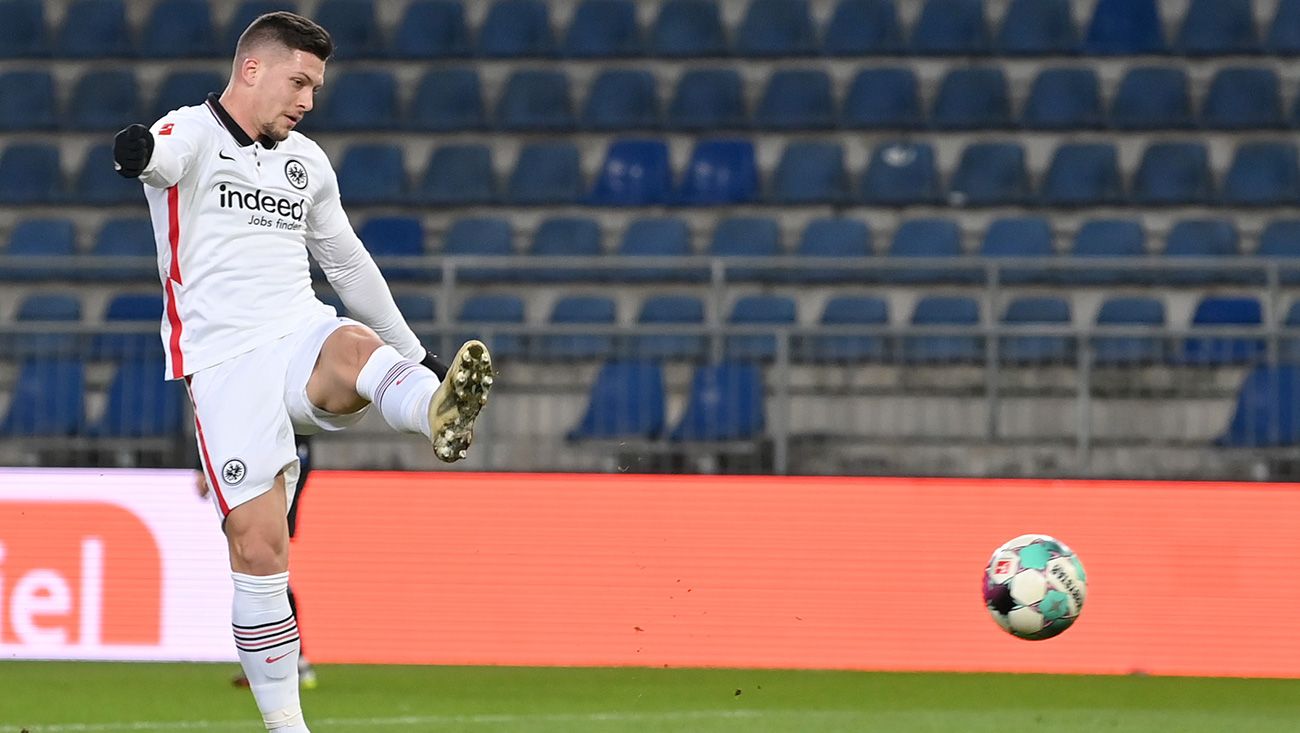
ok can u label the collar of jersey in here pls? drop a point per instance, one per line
(232, 127)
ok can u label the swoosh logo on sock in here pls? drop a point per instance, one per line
(273, 660)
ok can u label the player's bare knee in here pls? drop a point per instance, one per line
(259, 553)
(350, 347)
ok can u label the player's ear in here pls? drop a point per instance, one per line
(249, 70)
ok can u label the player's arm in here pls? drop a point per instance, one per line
(354, 274)
(159, 156)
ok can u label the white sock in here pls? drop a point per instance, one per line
(402, 389)
(266, 636)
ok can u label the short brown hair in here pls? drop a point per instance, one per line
(290, 30)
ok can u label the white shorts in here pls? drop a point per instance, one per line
(247, 410)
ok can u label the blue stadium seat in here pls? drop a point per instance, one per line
(546, 173)
(686, 28)
(359, 100)
(120, 239)
(863, 28)
(972, 99)
(866, 311)
(372, 173)
(746, 236)
(1263, 174)
(1284, 33)
(720, 172)
(516, 28)
(900, 174)
(1243, 98)
(811, 173)
(1265, 415)
(179, 29)
(603, 29)
(669, 311)
(929, 241)
(990, 174)
(27, 101)
(245, 13)
(1204, 239)
(481, 237)
(831, 238)
(570, 310)
(146, 311)
(622, 99)
(1217, 28)
(1124, 28)
(104, 100)
(94, 29)
(954, 318)
(1064, 99)
(23, 33)
(1042, 348)
(47, 400)
(396, 236)
(1108, 239)
(1173, 173)
(708, 99)
(40, 238)
(484, 311)
(1289, 344)
(758, 310)
(30, 173)
(141, 403)
(953, 27)
(660, 237)
(1152, 98)
(1021, 238)
(1038, 28)
(432, 29)
(883, 98)
(796, 99)
(418, 311)
(353, 27)
(536, 101)
(776, 28)
(1083, 174)
(56, 311)
(725, 403)
(184, 89)
(1224, 312)
(634, 173)
(1280, 241)
(566, 236)
(626, 402)
(447, 100)
(458, 175)
(1131, 312)
(99, 185)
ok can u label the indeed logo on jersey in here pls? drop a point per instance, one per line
(268, 210)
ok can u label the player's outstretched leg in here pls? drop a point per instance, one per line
(457, 401)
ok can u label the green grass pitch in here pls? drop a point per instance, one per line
(67, 697)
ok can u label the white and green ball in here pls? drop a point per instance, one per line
(1034, 587)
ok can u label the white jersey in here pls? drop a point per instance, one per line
(234, 219)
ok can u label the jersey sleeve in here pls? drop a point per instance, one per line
(177, 142)
(353, 272)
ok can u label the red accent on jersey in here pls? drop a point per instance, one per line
(166, 129)
(174, 275)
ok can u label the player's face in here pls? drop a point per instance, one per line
(286, 90)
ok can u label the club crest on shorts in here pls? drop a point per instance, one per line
(296, 173)
(233, 472)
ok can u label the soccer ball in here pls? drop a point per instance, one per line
(1034, 587)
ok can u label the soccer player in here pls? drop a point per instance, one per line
(238, 200)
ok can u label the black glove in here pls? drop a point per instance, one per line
(132, 149)
(434, 364)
